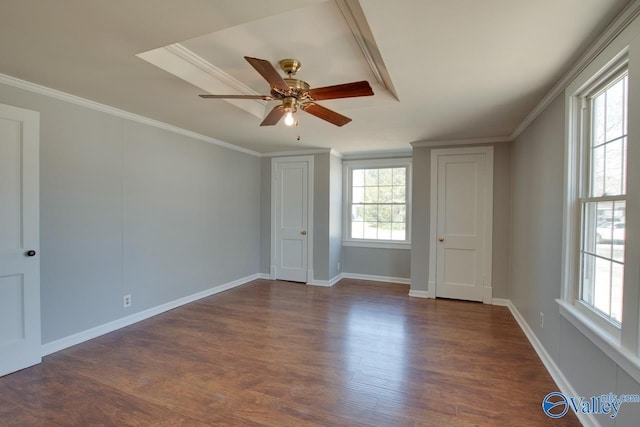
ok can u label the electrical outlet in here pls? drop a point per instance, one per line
(127, 301)
(338, 265)
(541, 319)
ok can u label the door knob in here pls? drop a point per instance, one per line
(30, 253)
(441, 239)
(303, 232)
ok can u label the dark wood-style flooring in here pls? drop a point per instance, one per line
(285, 354)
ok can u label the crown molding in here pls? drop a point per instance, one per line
(93, 105)
(297, 152)
(357, 23)
(618, 25)
(381, 154)
(470, 141)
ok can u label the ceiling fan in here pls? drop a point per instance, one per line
(295, 93)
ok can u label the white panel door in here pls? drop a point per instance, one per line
(292, 210)
(19, 240)
(461, 234)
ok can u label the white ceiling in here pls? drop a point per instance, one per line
(451, 69)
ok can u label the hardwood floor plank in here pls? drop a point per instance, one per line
(283, 354)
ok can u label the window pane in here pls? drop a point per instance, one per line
(619, 230)
(399, 213)
(370, 230)
(358, 177)
(588, 274)
(357, 213)
(398, 231)
(385, 176)
(399, 194)
(357, 195)
(400, 176)
(371, 177)
(604, 228)
(589, 228)
(617, 276)
(602, 288)
(371, 213)
(385, 194)
(597, 171)
(384, 230)
(357, 230)
(384, 213)
(614, 111)
(371, 194)
(613, 168)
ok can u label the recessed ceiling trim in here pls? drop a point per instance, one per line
(198, 61)
(190, 67)
(631, 12)
(470, 141)
(93, 105)
(357, 23)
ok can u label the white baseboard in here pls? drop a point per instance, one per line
(401, 280)
(326, 283)
(265, 276)
(420, 294)
(501, 302)
(83, 336)
(552, 368)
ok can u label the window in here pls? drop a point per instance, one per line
(599, 295)
(603, 198)
(377, 194)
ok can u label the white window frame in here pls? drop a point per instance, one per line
(348, 166)
(620, 344)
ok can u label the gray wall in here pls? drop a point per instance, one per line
(536, 252)
(321, 210)
(127, 208)
(501, 218)
(377, 261)
(265, 215)
(335, 216)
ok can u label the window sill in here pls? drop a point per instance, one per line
(375, 244)
(602, 339)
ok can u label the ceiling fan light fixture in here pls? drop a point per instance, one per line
(289, 120)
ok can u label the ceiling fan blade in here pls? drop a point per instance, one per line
(263, 97)
(326, 114)
(347, 90)
(274, 116)
(269, 73)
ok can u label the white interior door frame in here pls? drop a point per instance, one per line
(275, 162)
(487, 294)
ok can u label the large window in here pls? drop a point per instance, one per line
(603, 198)
(377, 204)
(601, 243)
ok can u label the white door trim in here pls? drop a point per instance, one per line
(487, 292)
(274, 237)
